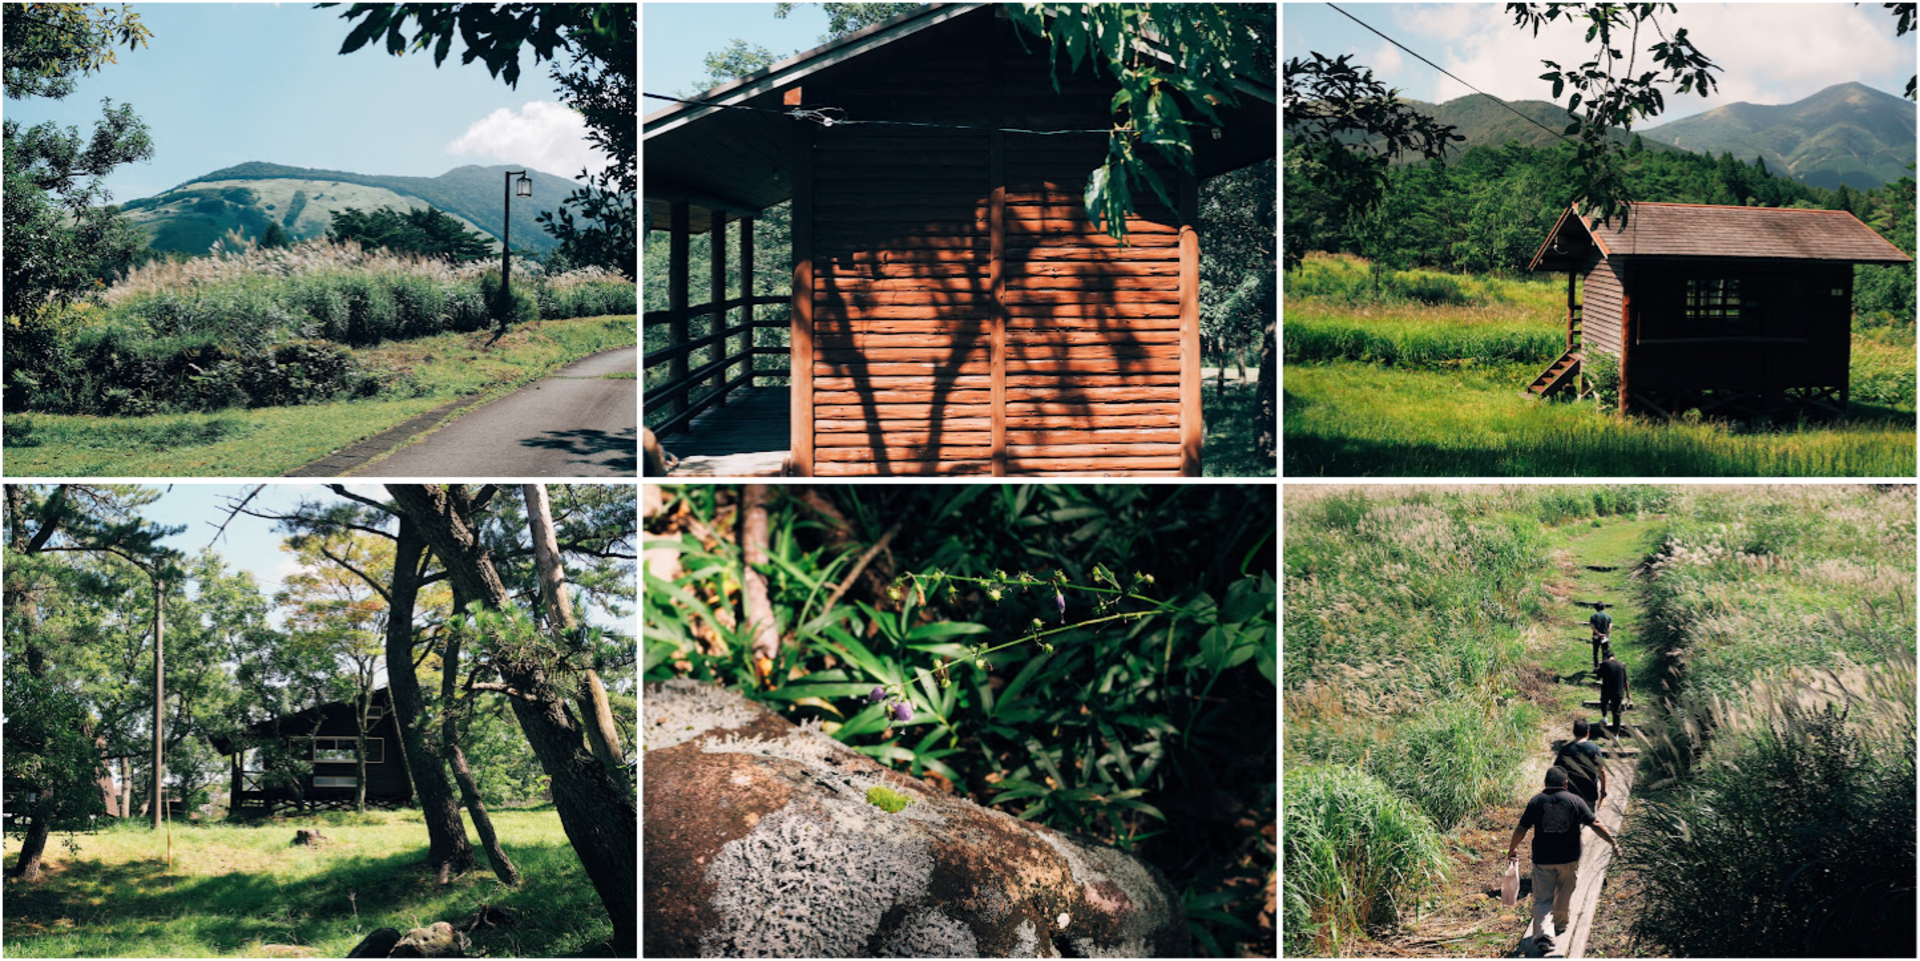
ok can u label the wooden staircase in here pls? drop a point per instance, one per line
(1564, 374)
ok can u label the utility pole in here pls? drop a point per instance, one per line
(159, 696)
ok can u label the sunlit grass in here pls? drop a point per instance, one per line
(230, 890)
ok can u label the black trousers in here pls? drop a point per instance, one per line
(1610, 703)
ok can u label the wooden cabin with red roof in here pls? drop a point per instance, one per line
(1736, 311)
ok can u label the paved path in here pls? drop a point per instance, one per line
(578, 422)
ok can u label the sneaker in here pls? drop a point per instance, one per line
(1544, 943)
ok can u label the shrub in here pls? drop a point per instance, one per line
(1456, 757)
(1356, 854)
(1603, 372)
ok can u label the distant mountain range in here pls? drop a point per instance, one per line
(1848, 133)
(191, 216)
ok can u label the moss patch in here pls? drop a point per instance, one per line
(887, 800)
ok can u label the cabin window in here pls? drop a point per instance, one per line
(1718, 306)
(341, 750)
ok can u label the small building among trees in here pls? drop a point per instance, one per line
(308, 760)
(1737, 311)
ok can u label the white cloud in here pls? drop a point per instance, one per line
(544, 135)
(1768, 53)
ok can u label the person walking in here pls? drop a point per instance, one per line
(1614, 688)
(1585, 767)
(1555, 816)
(1602, 624)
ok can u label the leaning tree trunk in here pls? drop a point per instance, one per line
(598, 812)
(592, 699)
(450, 738)
(447, 847)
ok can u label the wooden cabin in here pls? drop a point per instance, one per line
(1736, 311)
(324, 736)
(954, 310)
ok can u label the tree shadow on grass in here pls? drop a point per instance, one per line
(223, 913)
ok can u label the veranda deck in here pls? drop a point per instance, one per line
(749, 436)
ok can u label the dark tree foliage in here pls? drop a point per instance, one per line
(602, 84)
(423, 230)
(61, 237)
(1903, 15)
(846, 18)
(1343, 129)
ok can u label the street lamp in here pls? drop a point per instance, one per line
(523, 187)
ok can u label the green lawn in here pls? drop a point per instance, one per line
(1350, 419)
(232, 890)
(426, 373)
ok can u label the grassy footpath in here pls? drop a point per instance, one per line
(232, 890)
(426, 373)
(1233, 426)
(1358, 420)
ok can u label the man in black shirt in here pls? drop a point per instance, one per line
(1614, 689)
(1557, 814)
(1586, 771)
(1602, 624)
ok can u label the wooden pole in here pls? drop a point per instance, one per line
(801, 358)
(678, 229)
(717, 287)
(746, 291)
(1193, 430)
(159, 698)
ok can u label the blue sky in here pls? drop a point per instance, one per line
(1772, 53)
(223, 83)
(675, 39)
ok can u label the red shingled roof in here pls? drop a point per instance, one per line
(1702, 230)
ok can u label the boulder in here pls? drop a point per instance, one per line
(437, 940)
(762, 838)
(310, 837)
(376, 945)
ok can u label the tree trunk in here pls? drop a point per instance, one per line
(592, 699)
(126, 787)
(757, 613)
(159, 702)
(1268, 440)
(360, 749)
(600, 814)
(447, 847)
(34, 846)
(451, 735)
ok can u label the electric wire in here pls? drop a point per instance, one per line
(1449, 73)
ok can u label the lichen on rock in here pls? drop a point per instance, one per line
(679, 711)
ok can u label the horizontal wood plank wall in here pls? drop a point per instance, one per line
(906, 375)
(1600, 307)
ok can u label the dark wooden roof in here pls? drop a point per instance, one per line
(717, 156)
(1708, 231)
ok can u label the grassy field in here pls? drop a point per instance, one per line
(423, 374)
(1434, 644)
(1426, 379)
(232, 891)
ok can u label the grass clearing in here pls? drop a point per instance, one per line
(233, 889)
(1233, 427)
(272, 440)
(1348, 419)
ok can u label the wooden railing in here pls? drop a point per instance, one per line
(677, 395)
(1575, 334)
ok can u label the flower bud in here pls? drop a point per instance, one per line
(876, 695)
(903, 711)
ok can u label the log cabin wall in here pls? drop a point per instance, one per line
(966, 315)
(1600, 296)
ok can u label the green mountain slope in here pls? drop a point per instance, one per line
(1848, 133)
(191, 216)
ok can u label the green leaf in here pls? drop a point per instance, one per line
(794, 692)
(939, 629)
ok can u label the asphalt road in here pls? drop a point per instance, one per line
(575, 423)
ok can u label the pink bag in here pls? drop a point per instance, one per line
(1510, 883)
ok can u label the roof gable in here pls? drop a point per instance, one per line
(1704, 230)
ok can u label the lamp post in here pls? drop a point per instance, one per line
(524, 187)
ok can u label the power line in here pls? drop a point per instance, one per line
(837, 117)
(1449, 73)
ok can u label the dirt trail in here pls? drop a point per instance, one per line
(1594, 564)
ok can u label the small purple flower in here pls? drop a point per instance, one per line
(1060, 601)
(876, 695)
(903, 711)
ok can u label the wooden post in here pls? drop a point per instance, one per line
(717, 280)
(678, 227)
(1626, 345)
(1193, 431)
(801, 356)
(233, 793)
(997, 281)
(746, 290)
(1570, 275)
(159, 700)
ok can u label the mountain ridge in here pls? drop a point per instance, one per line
(1845, 133)
(190, 216)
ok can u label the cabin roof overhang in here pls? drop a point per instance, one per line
(727, 155)
(295, 724)
(1705, 232)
